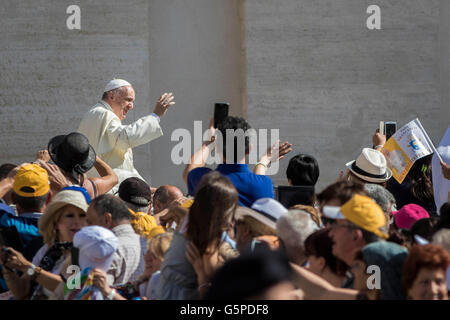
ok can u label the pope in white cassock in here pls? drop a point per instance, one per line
(113, 141)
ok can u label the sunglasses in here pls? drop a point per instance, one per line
(82, 190)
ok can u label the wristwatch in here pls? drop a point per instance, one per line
(33, 271)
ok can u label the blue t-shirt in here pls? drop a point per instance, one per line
(27, 227)
(250, 186)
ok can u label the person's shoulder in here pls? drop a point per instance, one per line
(260, 178)
(7, 210)
(199, 171)
(195, 174)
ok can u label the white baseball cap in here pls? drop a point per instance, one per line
(97, 246)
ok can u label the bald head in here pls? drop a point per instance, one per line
(164, 196)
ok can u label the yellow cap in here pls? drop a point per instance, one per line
(187, 204)
(32, 177)
(366, 214)
(155, 231)
(144, 224)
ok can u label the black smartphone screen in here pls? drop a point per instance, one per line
(75, 252)
(220, 112)
(390, 128)
(289, 196)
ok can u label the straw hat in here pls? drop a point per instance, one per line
(370, 166)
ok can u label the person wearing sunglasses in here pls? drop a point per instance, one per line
(64, 216)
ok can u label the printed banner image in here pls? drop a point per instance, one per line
(405, 147)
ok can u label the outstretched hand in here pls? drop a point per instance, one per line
(164, 103)
(211, 133)
(43, 155)
(276, 152)
(378, 139)
(173, 213)
(57, 179)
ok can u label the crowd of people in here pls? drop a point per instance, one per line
(68, 233)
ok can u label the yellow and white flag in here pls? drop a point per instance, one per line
(407, 145)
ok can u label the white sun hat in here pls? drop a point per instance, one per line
(265, 210)
(370, 166)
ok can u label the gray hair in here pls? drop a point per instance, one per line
(137, 208)
(442, 238)
(294, 227)
(381, 195)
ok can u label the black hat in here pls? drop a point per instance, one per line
(72, 153)
(135, 191)
(249, 275)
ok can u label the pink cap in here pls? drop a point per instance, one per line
(408, 214)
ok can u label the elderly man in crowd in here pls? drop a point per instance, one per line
(163, 197)
(293, 228)
(112, 213)
(358, 222)
(113, 141)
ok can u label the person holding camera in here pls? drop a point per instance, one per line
(36, 280)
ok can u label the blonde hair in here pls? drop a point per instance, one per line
(257, 228)
(159, 244)
(49, 231)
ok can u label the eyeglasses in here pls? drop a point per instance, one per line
(80, 189)
(335, 225)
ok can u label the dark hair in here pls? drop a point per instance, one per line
(319, 244)
(398, 237)
(341, 190)
(444, 217)
(429, 256)
(5, 169)
(424, 228)
(31, 204)
(112, 204)
(249, 275)
(303, 170)
(234, 123)
(212, 210)
(420, 179)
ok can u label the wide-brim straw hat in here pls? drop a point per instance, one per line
(61, 199)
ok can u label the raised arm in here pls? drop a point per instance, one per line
(6, 185)
(108, 177)
(378, 140)
(317, 288)
(273, 153)
(198, 159)
(142, 130)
